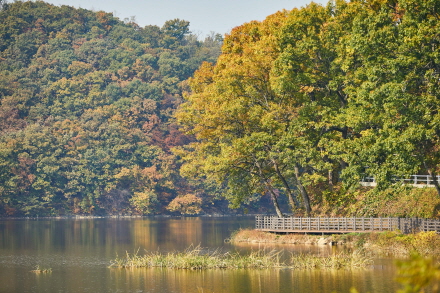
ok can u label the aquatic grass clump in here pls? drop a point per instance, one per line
(194, 258)
(39, 270)
(357, 259)
(256, 259)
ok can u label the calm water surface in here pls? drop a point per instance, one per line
(79, 252)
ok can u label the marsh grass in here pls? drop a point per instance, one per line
(39, 270)
(357, 259)
(194, 258)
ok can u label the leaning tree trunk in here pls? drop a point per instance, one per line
(303, 191)
(273, 196)
(293, 201)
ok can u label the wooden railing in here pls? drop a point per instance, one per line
(416, 180)
(344, 225)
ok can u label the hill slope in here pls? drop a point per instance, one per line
(86, 104)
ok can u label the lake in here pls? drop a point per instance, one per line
(79, 252)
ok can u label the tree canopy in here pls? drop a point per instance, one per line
(293, 109)
(86, 110)
(315, 95)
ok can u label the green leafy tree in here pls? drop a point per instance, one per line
(389, 59)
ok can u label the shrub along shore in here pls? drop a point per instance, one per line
(378, 243)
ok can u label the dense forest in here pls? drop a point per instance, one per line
(100, 116)
(86, 112)
(306, 103)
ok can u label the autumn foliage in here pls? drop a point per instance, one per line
(86, 105)
(102, 116)
(315, 98)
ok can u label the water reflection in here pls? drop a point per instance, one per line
(268, 280)
(80, 250)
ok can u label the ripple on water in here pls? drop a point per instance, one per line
(52, 261)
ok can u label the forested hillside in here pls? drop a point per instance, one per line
(304, 104)
(86, 111)
(294, 110)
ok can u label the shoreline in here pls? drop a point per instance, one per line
(387, 243)
(74, 217)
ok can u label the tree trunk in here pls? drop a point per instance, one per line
(434, 177)
(274, 200)
(303, 191)
(293, 201)
(269, 187)
(343, 164)
(330, 179)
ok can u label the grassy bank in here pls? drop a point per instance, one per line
(255, 236)
(380, 243)
(196, 259)
(395, 201)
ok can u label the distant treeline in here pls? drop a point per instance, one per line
(86, 112)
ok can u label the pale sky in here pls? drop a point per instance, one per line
(219, 16)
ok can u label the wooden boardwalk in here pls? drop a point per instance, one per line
(420, 181)
(344, 225)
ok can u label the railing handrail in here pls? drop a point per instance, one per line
(346, 224)
(416, 179)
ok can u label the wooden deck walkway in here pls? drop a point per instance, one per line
(344, 225)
